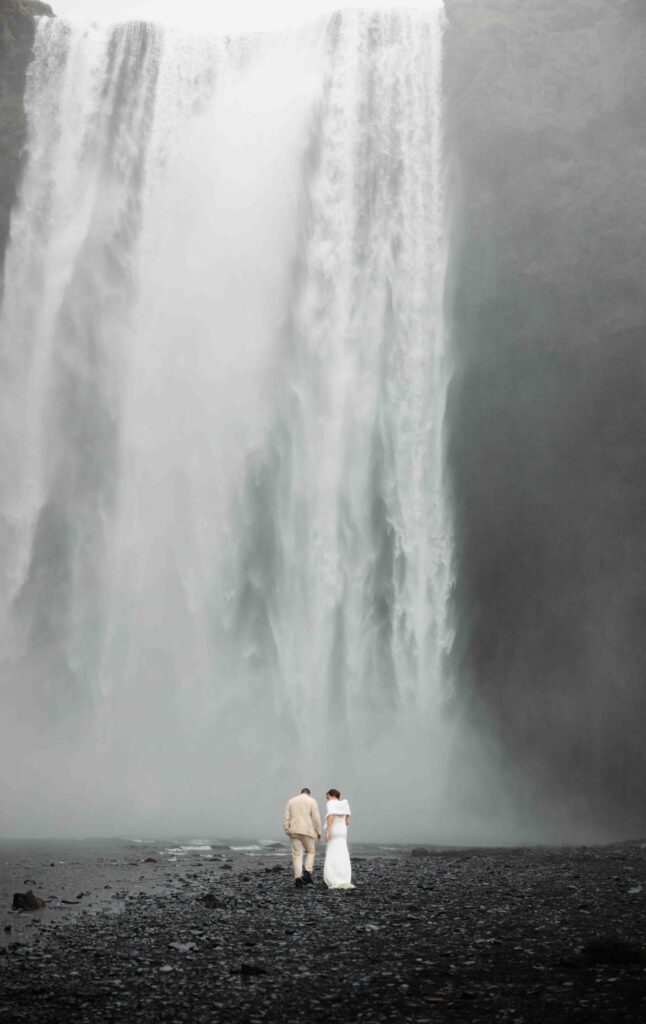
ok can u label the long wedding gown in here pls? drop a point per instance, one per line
(337, 870)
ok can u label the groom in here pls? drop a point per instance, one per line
(303, 826)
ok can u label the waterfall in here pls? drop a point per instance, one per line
(225, 542)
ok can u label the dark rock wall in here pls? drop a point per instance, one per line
(16, 38)
(546, 111)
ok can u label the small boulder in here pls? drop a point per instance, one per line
(420, 851)
(212, 902)
(251, 970)
(614, 949)
(27, 901)
(183, 947)
(150, 860)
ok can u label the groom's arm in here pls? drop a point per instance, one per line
(286, 818)
(316, 819)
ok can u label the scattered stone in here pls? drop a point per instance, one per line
(14, 947)
(614, 949)
(150, 860)
(226, 867)
(438, 939)
(420, 851)
(212, 902)
(275, 870)
(27, 901)
(251, 969)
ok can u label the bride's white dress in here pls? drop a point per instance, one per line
(337, 870)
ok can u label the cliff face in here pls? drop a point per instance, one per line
(547, 414)
(16, 38)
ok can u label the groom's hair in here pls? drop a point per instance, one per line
(305, 790)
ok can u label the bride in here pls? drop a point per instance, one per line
(337, 870)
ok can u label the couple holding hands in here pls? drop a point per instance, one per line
(302, 824)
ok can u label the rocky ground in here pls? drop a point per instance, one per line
(524, 935)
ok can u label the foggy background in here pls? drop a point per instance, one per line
(541, 731)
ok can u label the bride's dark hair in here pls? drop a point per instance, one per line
(335, 793)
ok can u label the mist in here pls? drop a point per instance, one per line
(228, 556)
(321, 433)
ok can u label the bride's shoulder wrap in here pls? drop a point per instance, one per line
(337, 807)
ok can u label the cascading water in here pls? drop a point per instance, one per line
(226, 549)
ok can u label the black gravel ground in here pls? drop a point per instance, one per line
(527, 935)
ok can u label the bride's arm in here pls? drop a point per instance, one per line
(328, 825)
(347, 819)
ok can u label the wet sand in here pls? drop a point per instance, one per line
(455, 935)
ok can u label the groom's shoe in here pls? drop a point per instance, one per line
(298, 882)
(307, 878)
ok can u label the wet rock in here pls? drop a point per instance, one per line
(15, 947)
(183, 947)
(212, 902)
(614, 949)
(150, 860)
(36, 8)
(450, 937)
(27, 901)
(247, 969)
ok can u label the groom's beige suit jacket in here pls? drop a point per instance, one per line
(302, 817)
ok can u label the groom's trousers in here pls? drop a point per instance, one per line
(300, 845)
